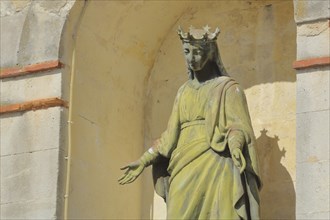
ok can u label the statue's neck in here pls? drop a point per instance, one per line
(208, 72)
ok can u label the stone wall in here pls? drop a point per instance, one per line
(32, 111)
(312, 163)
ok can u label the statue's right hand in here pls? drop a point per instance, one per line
(133, 170)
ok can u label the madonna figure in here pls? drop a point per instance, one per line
(205, 164)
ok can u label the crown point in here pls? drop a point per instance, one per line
(191, 28)
(217, 31)
(207, 28)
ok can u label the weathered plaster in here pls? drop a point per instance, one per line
(111, 76)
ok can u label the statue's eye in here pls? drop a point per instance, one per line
(186, 51)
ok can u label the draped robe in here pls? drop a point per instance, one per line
(197, 179)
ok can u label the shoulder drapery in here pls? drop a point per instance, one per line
(228, 111)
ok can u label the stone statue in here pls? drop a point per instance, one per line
(205, 164)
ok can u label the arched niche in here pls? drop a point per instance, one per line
(128, 66)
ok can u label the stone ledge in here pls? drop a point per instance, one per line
(30, 69)
(309, 63)
(33, 105)
(314, 20)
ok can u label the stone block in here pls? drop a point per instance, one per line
(312, 187)
(42, 31)
(31, 87)
(313, 90)
(21, 4)
(29, 176)
(314, 215)
(11, 28)
(313, 136)
(309, 10)
(313, 40)
(30, 131)
(11, 7)
(36, 209)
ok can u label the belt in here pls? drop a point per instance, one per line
(191, 123)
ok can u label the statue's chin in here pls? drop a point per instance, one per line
(195, 68)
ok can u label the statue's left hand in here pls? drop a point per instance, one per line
(133, 170)
(238, 159)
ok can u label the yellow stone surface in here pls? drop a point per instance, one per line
(129, 65)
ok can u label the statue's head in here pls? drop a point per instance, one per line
(200, 47)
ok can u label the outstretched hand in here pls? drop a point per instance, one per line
(133, 170)
(238, 159)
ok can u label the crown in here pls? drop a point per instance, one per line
(199, 35)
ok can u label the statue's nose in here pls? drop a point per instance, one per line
(192, 58)
(189, 57)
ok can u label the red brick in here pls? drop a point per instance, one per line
(30, 69)
(314, 62)
(33, 105)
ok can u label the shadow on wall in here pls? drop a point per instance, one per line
(278, 198)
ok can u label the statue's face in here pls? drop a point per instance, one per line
(196, 55)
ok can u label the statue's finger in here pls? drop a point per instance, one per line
(241, 170)
(128, 180)
(127, 176)
(124, 180)
(131, 180)
(243, 163)
(122, 177)
(236, 162)
(124, 167)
